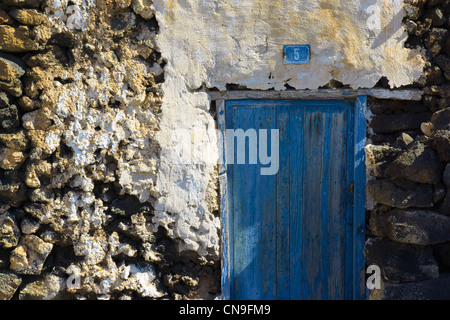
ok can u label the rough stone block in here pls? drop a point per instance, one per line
(442, 254)
(16, 140)
(9, 283)
(5, 18)
(417, 164)
(441, 143)
(28, 16)
(378, 158)
(445, 206)
(9, 231)
(29, 256)
(388, 193)
(418, 227)
(9, 118)
(11, 159)
(441, 119)
(23, 3)
(12, 190)
(51, 287)
(436, 289)
(401, 262)
(439, 192)
(395, 123)
(16, 39)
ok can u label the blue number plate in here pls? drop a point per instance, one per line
(296, 54)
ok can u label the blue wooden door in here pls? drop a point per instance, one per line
(291, 235)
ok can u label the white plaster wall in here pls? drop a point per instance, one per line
(240, 41)
(215, 42)
(189, 152)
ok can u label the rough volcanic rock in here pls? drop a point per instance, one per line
(439, 192)
(9, 231)
(11, 159)
(395, 123)
(401, 262)
(5, 18)
(379, 157)
(417, 227)
(10, 72)
(436, 289)
(12, 190)
(9, 118)
(437, 16)
(435, 39)
(63, 39)
(445, 206)
(443, 62)
(16, 39)
(29, 225)
(28, 16)
(29, 256)
(16, 140)
(51, 287)
(441, 119)
(442, 253)
(440, 141)
(23, 3)
(144, 8)
(414, 8)
(418, 164)
(9, 283)
(446, 175)
(389, 193)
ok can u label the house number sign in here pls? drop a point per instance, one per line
(296, 53)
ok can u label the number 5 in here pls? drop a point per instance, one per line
(296, 54)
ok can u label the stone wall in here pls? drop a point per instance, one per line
(80, 104)
(408, 162)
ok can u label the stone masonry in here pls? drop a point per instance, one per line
(408, 192)
(79, 108)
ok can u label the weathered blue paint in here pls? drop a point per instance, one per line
(296, 54)
(254, 233)
(225, 216)
(283, 202)
(297, 235)
(359, 198)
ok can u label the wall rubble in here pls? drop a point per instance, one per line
(408, 193)
(80, 106)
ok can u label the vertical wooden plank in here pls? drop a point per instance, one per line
(296, 202)
(267, 201)
(283, 200)
(335, 157)
(254, 202)
(224, 214)
(326, 134)
(312, 205)
(359, 203)
(323, 211)
(349, 206)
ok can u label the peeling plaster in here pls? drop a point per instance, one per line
(218, 42)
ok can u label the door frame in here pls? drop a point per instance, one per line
(360, 102)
